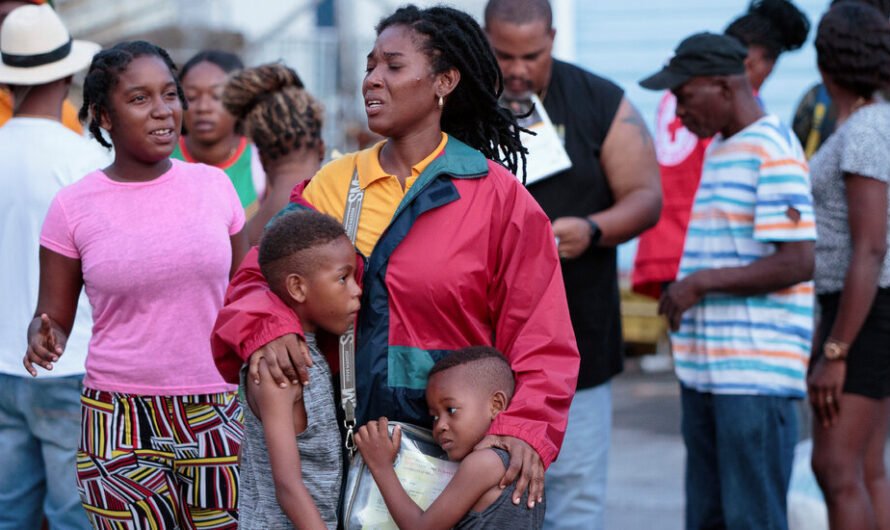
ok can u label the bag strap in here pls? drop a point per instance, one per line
(347, 341)
(819, 122)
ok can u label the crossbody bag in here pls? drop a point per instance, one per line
(422, 466)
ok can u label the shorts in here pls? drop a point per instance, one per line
(159, 461)
(868, 362)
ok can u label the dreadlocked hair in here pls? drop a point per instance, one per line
(274, 109)
(777, 25)
(853, 47)
(102, 77)
(453, 39)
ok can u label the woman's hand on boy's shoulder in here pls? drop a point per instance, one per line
(373, 441)
(525, 468)
(276, 401)
(288, 360)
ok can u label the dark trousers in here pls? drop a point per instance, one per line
(740, 449)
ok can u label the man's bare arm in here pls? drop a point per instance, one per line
(628, 159)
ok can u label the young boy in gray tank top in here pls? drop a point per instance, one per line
(291, 455)
(466, 390)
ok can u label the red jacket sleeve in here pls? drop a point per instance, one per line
(251, 317)
(533, 328)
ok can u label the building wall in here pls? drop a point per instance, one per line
(316, 52)
(626, 40)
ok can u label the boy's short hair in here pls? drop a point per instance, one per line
(490, 368)
(281, 248)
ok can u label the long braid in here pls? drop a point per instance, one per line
(102, 77)
(472, 114)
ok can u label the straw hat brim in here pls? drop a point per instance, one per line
(82, 53)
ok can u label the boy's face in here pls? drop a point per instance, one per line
(332, 296)
(461, 411)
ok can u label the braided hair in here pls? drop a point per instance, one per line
(274, 109)
(102, 77)
(776, 25)
(853, 47)
(453, 39)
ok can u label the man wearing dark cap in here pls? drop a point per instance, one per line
(742, 307)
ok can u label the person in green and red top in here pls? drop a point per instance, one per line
(210, 135)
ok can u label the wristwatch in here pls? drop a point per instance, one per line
(835, 350)
(595, 232)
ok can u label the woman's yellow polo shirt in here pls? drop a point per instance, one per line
(328, 189)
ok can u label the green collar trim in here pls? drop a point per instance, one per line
(458, 161)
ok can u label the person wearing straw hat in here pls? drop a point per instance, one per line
(39, 418)
(69, 111)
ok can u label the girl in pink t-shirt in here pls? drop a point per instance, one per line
(153, 241)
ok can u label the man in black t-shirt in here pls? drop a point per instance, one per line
(611, 194)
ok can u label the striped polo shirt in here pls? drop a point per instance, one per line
(754, 192)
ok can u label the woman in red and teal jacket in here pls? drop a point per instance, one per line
(455, 250)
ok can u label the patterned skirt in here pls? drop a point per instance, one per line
(159, 462)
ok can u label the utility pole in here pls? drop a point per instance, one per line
(346, 15)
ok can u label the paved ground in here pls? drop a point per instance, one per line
(646, 460)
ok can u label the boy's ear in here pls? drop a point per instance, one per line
(296, 287)
(498, 403)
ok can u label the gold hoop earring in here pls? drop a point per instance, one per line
(441, 103)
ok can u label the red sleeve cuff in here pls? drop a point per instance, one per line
(532, 432)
